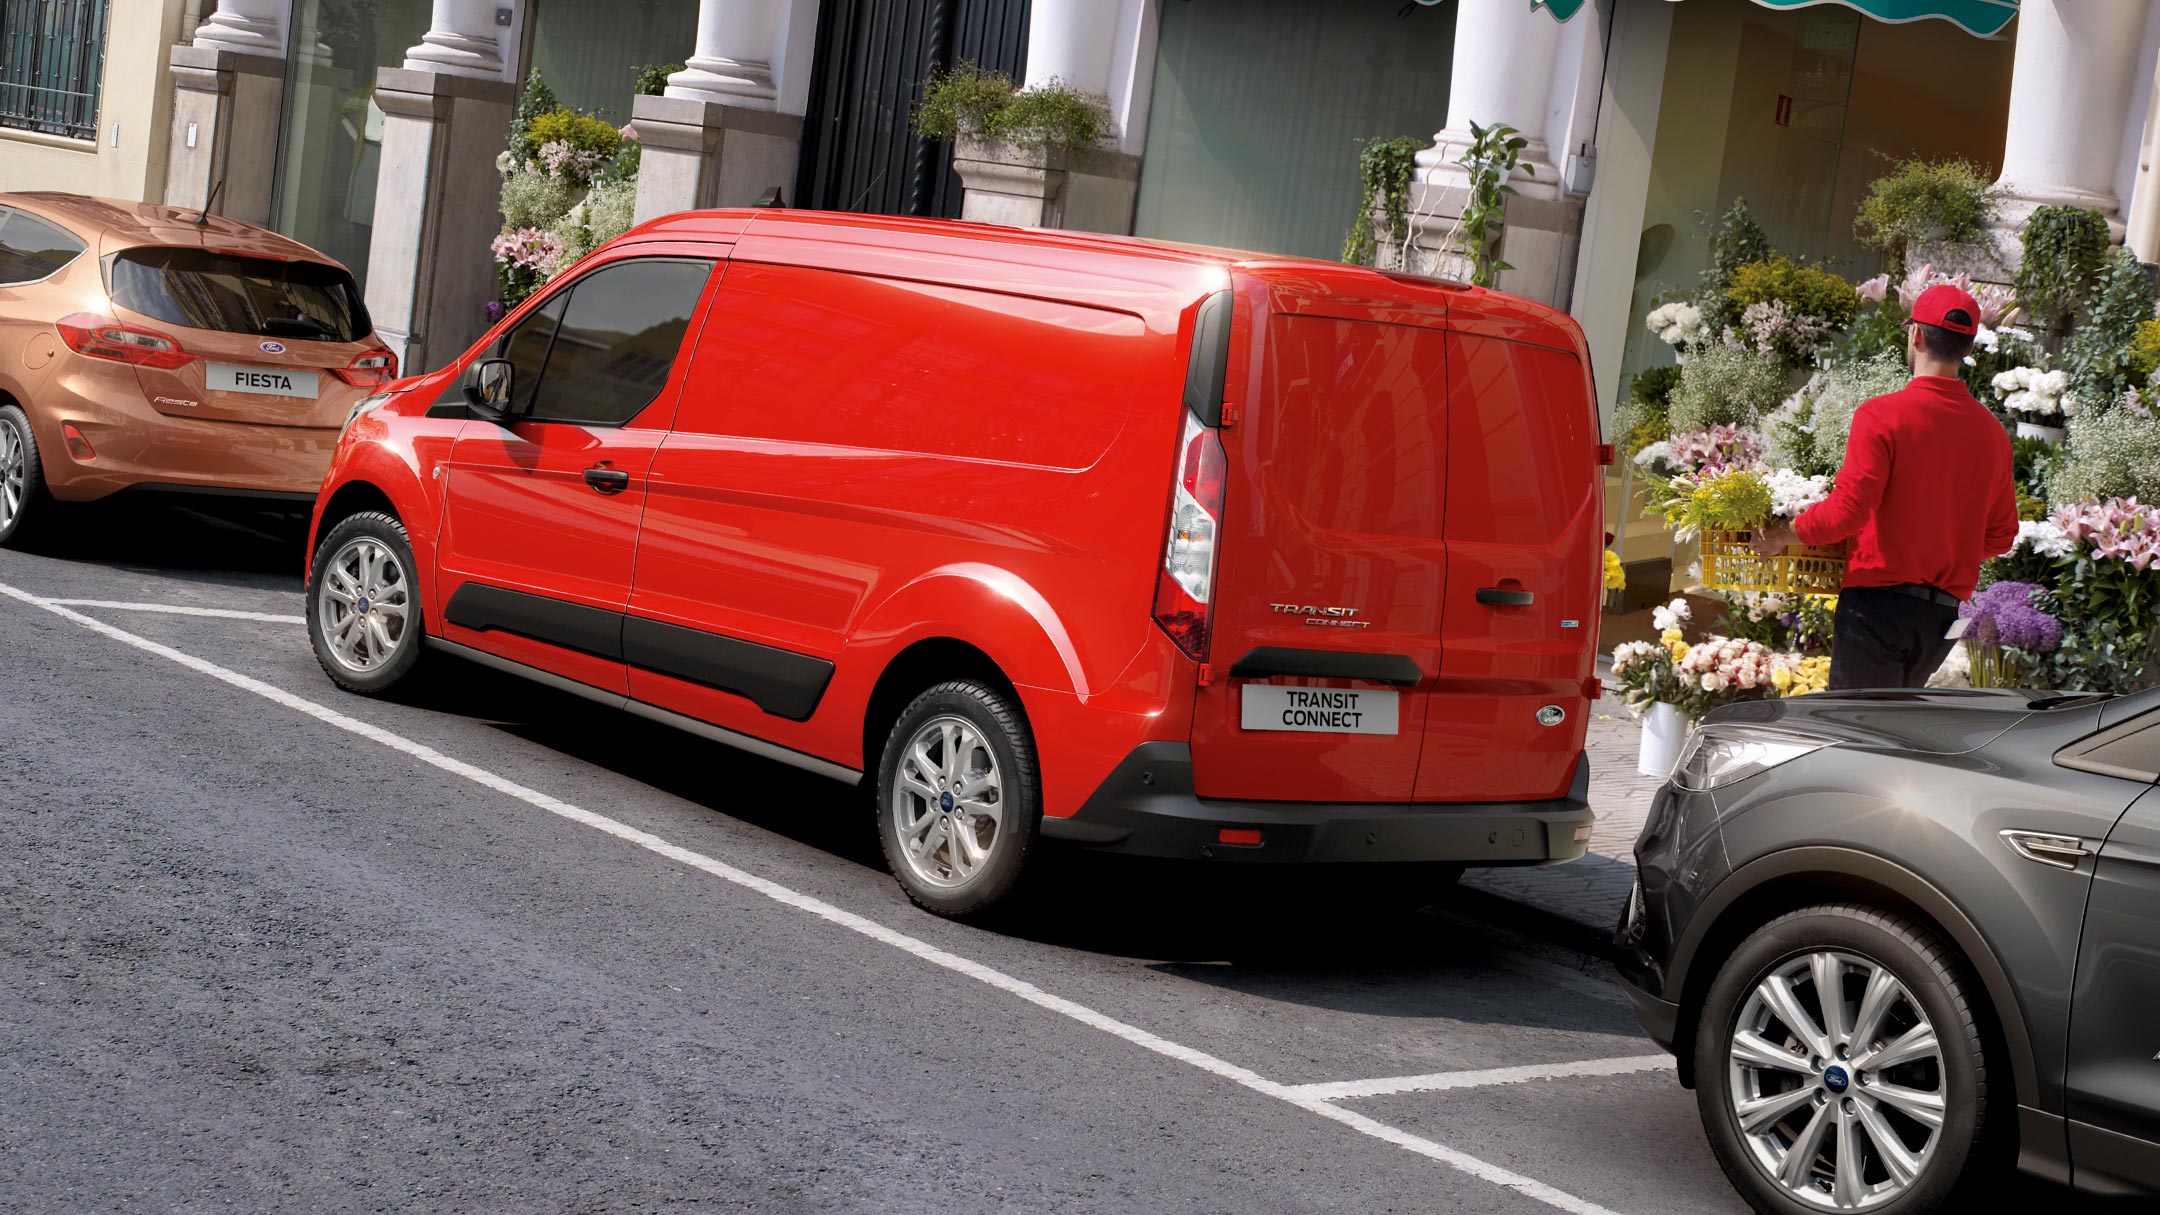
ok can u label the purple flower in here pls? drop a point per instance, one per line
(2004, 614)
(494, 311)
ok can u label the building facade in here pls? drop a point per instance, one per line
(369, 128)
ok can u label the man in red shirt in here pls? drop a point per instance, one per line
(1925, 495)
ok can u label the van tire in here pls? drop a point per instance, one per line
(987, 721)
(33, 504)
(388, 535)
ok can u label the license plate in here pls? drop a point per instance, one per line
(263, 381)
(1318, 710)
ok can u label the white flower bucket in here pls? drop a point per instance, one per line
(1664, 732)
(2034, 430)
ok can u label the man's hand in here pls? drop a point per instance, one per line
(1773, 538)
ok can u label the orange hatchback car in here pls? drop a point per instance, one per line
(144, 346)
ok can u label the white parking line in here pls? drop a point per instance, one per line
(174, 609)
(1528, 1187)
(1349, 1090)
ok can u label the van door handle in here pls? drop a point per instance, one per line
(607, 480)
(1498, 597)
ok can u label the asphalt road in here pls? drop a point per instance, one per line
(268, 947)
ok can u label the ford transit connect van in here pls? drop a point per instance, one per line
(1161, 550)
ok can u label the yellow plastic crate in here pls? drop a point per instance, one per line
(1729, 563)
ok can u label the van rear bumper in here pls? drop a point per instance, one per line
(1146, 807)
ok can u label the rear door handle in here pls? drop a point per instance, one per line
(1499, 597)
(607, 480)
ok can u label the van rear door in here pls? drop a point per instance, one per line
(1326, 617)
(1524, 525)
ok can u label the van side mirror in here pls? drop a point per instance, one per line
(487, 388)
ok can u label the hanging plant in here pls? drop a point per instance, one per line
(1492, 158)
(2064, 251)
(1384, 166)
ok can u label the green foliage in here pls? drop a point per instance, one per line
(1642, 419)
(535, 200)
(2101, 356)
(1807, 290)
(1725, 385)
(581, 131)
(652, 77)
(970, 101)
(1736, 240)
(2145, 350)
(2065, 248)
(1384, 168)
(1807, 434)
(603, 215)
(961, 101)
(1946, 200)
(2110, 455)
(2029, 466)
(1730, 501)
(1492, 158)
(1877, 329)
(537, 99)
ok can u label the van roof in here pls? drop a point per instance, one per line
(114, 224)
(1184, 271)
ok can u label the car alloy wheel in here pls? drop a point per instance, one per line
(14, 475)
(364, 605)
(1836, 1081)
(948, 803)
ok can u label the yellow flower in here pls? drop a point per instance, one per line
(1615, 575)
(1782, 679)
(1829, 603)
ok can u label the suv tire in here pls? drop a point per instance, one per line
(1890, 971)
(363, 604)
(959, 798)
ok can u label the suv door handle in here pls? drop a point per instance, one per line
(1500, 597)
(607, 480)
(2060, 851)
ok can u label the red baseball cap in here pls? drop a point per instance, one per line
(1937, 303)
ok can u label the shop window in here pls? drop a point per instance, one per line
(1259, 105)
(52, 58)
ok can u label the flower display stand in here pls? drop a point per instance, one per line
(1664, 733)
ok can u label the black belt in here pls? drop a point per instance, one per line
(1921, 590)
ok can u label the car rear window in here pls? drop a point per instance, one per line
(201, 289)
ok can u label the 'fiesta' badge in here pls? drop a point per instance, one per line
(273, 347)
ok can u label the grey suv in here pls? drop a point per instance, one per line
(1896, 939)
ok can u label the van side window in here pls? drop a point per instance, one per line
(527, 348)
(615, 344)
(31, 249)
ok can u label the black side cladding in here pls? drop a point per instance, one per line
(573, 626)
(1271, 660)
(781, 682)
(1207, 366)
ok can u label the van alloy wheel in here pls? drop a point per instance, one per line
(14, 476)
(363, 606)
(948, 802)
(1836, 1080)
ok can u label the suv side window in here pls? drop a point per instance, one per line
(2130, 751)
(611, 340)
(31, 249)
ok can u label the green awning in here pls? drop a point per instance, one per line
(1982, 17)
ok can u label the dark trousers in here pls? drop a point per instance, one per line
(1886, 639)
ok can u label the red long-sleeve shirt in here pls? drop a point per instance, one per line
(1926, 492)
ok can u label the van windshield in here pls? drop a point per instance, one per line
(204, 290)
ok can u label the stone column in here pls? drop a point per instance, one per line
(717, 136)
(1507, 55)
(2070, 92)
(445, 113)
(1075, 43)
(228, 91)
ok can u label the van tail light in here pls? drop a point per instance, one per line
(1185, 591)
(101, 337)
(370, 369)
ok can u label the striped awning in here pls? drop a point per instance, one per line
(1982, 17)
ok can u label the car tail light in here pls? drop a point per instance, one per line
(1187, 584)
(371, 369)
(102, 337)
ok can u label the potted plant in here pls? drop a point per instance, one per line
(987, 118)
(2002, 626)
(2036, 399)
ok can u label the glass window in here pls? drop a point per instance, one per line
(617, 342)
(31, 249)
(1259, 106)
(204, 290)
(589, 54)
(52, 58)
(527, 347)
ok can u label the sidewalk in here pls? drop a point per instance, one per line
(1591, 891)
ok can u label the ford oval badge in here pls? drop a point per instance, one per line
(1551, 715)
(273, 347)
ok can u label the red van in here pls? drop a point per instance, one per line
(1162, 550)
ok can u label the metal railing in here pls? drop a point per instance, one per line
(52, 55)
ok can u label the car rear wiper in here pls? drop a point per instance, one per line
(306, 326)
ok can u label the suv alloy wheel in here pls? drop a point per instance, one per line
(1840, 1066)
